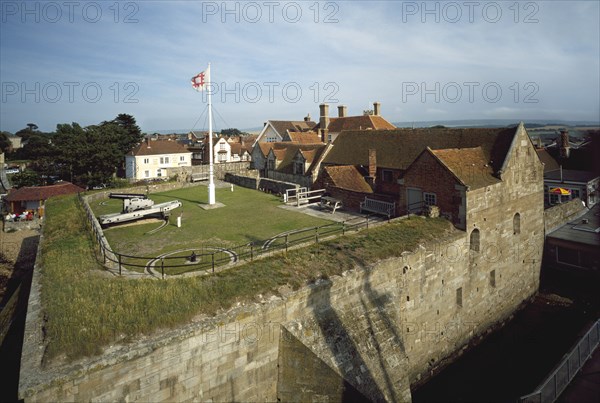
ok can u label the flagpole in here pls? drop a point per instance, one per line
(211, 183)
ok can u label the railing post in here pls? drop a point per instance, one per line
(162, 267)
(213, 262)
(367, 222)
(286, 243)
(251, 251)
(317, 234)
(119, 264)
(343, 227)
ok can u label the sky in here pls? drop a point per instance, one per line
(87, 62)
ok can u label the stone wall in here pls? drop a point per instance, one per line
(373, 331)
(559, 214)
(219, 170)
(248, 181)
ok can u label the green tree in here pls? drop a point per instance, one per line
(231, 132)
(25, 178)
(5, 143)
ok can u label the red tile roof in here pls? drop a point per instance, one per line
(550, 163)
(32, 193)
(397, 149)
(157, 147)
(468, 165)
(362, 122)
(348, 177)
(309, 137)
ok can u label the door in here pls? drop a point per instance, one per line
(414, 200)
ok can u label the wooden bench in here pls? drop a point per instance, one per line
(330, 203)
(378, 207)
(199, 177)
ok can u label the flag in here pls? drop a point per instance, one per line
(201, 80)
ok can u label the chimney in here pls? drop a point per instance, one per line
(307, 118)
(264, 124)
(372, 168)
(324, 116)
(376, 109)
(372, 162)
(148, 142)
(342, 111)
(564, 144)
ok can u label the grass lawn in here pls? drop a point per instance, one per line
(248, 216)
(86, 310)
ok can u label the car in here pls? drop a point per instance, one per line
(12, 170)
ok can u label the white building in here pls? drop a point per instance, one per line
(150, 159)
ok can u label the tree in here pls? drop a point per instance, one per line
(231, 132)
(5, 143)
(27, 132)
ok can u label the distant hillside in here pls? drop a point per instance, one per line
(532, 123)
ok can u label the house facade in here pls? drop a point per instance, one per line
(150, 159)
(34, 197)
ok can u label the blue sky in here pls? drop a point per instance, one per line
(89, 61)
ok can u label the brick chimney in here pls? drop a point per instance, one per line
(342, 111)
(564, 144)
(372, 168)
(376, 109)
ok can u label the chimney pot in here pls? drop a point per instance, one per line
(342, 111)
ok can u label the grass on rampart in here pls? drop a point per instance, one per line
(87, 309)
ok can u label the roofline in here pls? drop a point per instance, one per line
(443, 164)
(511, 148)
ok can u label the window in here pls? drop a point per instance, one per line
(517, 224)
(158, 173)
(474, 240)
(146, 160)
(222, 157)
(181, 158)
(493, 278)
(575, 193)
(271, 164)
(222, 146)
(430, 199)
(146, 174)
(162, 160)
(298, 168)
(387, 175)
(166, 160)
(459, 299)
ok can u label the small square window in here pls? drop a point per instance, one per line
(430, 199)
(387, 175)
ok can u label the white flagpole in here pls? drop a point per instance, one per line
(211, 183)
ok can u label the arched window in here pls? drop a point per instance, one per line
(474, 240)
(517, 224)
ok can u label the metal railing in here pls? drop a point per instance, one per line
(210, 259)
(552, 387)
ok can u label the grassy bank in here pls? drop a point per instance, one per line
(87, 310)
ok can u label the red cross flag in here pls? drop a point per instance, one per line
(201, 80)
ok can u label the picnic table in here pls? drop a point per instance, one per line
(331, 203)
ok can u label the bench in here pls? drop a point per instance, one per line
(330, 203)
(199, 177)
(378, 207)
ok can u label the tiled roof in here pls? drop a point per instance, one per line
(397, 149)
(286, 151)
(468, 165)
(42, 192)
(282, 126)
(550, 163)
(348, 177)
(364, 122)
(309, 137)
(158, 147)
